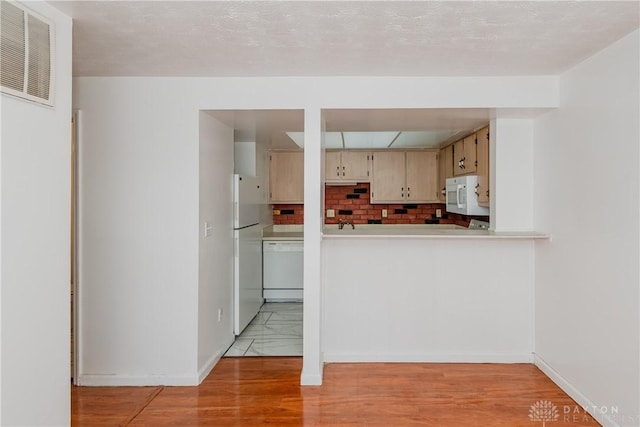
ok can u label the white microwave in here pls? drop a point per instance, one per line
(462, 196)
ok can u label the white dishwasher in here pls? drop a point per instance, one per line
(282, 263)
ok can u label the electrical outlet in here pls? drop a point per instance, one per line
(220, 315)
(438, 213)
(331, 213)
(276, 211)
(384, 213)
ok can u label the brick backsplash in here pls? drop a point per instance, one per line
(297, 217)
(355, 198)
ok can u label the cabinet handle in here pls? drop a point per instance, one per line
(476, 190)
(337, 170)
(402, 193)
(487, 193)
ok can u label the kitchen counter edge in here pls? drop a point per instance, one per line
(433, 234)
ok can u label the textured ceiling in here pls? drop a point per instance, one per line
(341, 38)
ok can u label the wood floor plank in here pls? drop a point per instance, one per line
(266, 391)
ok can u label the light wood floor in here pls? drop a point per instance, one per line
(266, 391)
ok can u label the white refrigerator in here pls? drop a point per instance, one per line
(247, 277)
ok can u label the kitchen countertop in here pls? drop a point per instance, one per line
(419, 231)
(422, 231)
(283, 232)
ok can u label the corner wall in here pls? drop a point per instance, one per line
(587, 197)
(35, 189)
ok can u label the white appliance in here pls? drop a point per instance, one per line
(247, 234)
(283, 267)
(462, 196)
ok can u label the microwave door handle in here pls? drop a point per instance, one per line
(459, 197)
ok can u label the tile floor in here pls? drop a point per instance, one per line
(275, 331)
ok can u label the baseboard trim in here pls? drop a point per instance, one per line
(426, 358)
(91, 380)
(585, 403)
(205, 370)
(310, 379)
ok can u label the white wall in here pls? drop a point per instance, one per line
(35, 186)
(511, 174)
(140, 233)
(427, 300)
(140, 209)
(215, 290)
(587, 197)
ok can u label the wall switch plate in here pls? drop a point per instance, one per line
(384, 213)
(331, 213)
(276, 211)
(438, 213)
(219, 315)
(208, 229)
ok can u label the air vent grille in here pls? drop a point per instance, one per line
(26, 54)
(39, 58)
(12, 47)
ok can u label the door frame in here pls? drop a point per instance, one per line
(75, 240)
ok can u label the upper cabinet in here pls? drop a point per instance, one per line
(286, 177)
(483, 166)
(464, 155)
(347, 166)
(422, 176)
(404, 177)
(388, 177)
(445, 170)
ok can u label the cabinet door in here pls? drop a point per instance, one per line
(332, 169)
(355, 165)
(286, 177)
(445, 170)
(388, 177)
(458, 158)
(470, 164)
(422, 176)
(483, 167)
(464, 156)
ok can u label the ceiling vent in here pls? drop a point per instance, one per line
(26, 54)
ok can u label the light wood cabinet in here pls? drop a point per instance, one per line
(347, 166)
(445, 170)
(422, 176)
(332, 165)
(464, 152)
(388, 177)
(404, 177)
(286, 177)
(483, 166)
